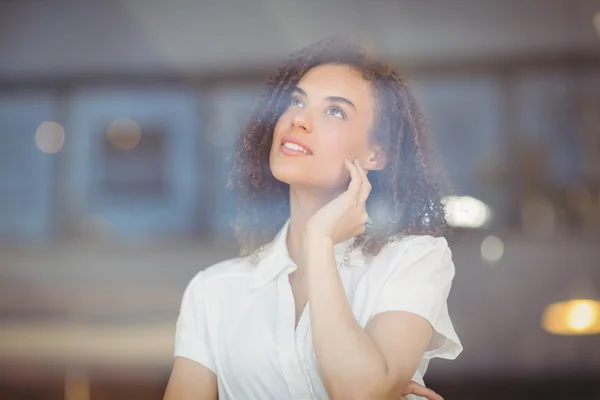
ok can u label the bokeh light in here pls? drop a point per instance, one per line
(575, 317)
(466, 212)
(50, 137)
(492, 249)
(124, 133)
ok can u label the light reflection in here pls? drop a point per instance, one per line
(466, 212)
(50, 137)
(124, 133)
(492, 249)
(575, 317)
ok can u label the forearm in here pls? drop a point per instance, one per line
(350, 363)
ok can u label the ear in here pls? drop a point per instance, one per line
(375, 159)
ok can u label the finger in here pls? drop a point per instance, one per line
(366, 185)
(426, 393)
(355, 181)
(365, 188)
(419, 390)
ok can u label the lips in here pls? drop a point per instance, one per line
(295, 140)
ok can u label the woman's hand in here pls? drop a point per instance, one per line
(345, 216)
(420, 390)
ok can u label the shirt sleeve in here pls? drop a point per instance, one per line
(419, 281)
(191, 337)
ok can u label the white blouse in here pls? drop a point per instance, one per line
(237, 319)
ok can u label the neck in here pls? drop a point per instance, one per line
(303, 205)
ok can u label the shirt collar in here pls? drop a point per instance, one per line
(275, 258)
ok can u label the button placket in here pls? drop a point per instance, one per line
(301, 337)
(286, 341)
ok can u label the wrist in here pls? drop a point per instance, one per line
(317, 248)
(315, 238)
(317, 245)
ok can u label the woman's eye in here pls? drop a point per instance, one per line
(336, 112)
(295, 102)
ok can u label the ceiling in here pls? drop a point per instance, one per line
(62, 37)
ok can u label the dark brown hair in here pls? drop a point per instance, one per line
(406, 198)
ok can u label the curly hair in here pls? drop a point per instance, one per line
(406, 197)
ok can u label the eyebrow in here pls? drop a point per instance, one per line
(333, 99)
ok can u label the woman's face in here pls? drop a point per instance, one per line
(329, 115)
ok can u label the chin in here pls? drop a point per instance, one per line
(301, 176)
(291, 174)
(306, 171)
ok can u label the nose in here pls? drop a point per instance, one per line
(302, 120)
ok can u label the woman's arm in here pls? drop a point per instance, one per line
(372, 363)
(355, 363)
(191, 381)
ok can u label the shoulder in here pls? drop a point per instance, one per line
(413, 247)
(414, 255)
(222, 273)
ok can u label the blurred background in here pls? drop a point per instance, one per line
(116, 117)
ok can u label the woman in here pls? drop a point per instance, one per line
(326, 302)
